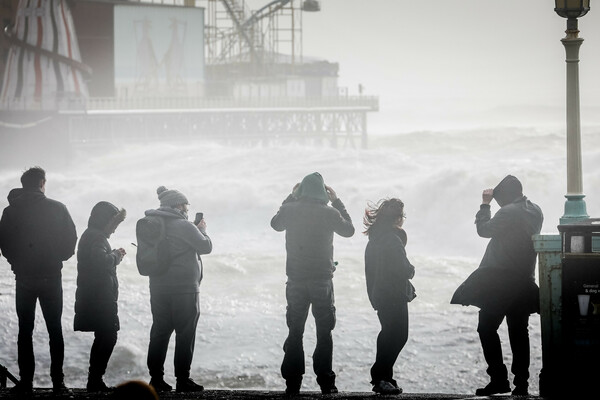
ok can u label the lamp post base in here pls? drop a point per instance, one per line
(575, 209)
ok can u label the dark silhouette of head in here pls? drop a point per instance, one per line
(312, 187)
(33, 178)
(508, 190)
(137, 390)
(106, 217)
(386, 213)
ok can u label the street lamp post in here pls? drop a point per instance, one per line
(575, 208)
(549, 246)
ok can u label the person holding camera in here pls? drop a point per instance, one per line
(175, 294)
(96, 308)
(309, 224)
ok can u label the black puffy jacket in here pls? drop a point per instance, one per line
(36, 234)
(387, 269)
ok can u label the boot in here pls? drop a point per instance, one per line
(22, 387)
(160, 385)
(188, 385)
(522, 390)
(494, 387)
(58, 387)
(293, 386)
(384, 387)
(329, 389)
(96, 384)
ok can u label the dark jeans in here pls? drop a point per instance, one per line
(518, 335)
(173, 312)
(49, 292)
(300, 295)
(390, 341)
(102, 348)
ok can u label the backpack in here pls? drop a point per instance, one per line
(153, 253)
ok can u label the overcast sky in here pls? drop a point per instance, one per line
(431, 58)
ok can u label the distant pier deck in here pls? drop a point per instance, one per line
(339, 120)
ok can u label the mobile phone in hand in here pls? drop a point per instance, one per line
(199, 217)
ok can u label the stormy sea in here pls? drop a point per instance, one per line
(439, 174)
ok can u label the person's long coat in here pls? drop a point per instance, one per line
(97, 285)
(505, 278)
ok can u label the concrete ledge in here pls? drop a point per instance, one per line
(252, 394)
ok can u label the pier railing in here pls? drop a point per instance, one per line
(366, 103)
(174, 103)
(100, 120)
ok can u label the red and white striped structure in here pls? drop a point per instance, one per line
(44, 67)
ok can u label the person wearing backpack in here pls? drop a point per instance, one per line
(174, 293)
(98, 289)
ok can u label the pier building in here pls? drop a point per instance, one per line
(102, 70)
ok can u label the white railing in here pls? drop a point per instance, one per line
(171, 103)
(369, 103)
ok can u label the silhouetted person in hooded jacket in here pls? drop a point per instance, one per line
(504, 284)
(36, 235)
(97, 292)
(309, 224)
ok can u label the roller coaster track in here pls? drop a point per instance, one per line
(265, 12)
(235, 12)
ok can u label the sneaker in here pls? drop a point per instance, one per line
(521, 391)
(329, 389)
(188, 385)
(97, 385)
(160, 385)
(384, 387)
(494, 388)
(22, 387)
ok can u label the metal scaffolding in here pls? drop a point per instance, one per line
(236, 34)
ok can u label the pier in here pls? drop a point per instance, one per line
(337, 121)
(226, 73)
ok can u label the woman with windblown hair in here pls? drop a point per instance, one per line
(98, 289)
(387, 273)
